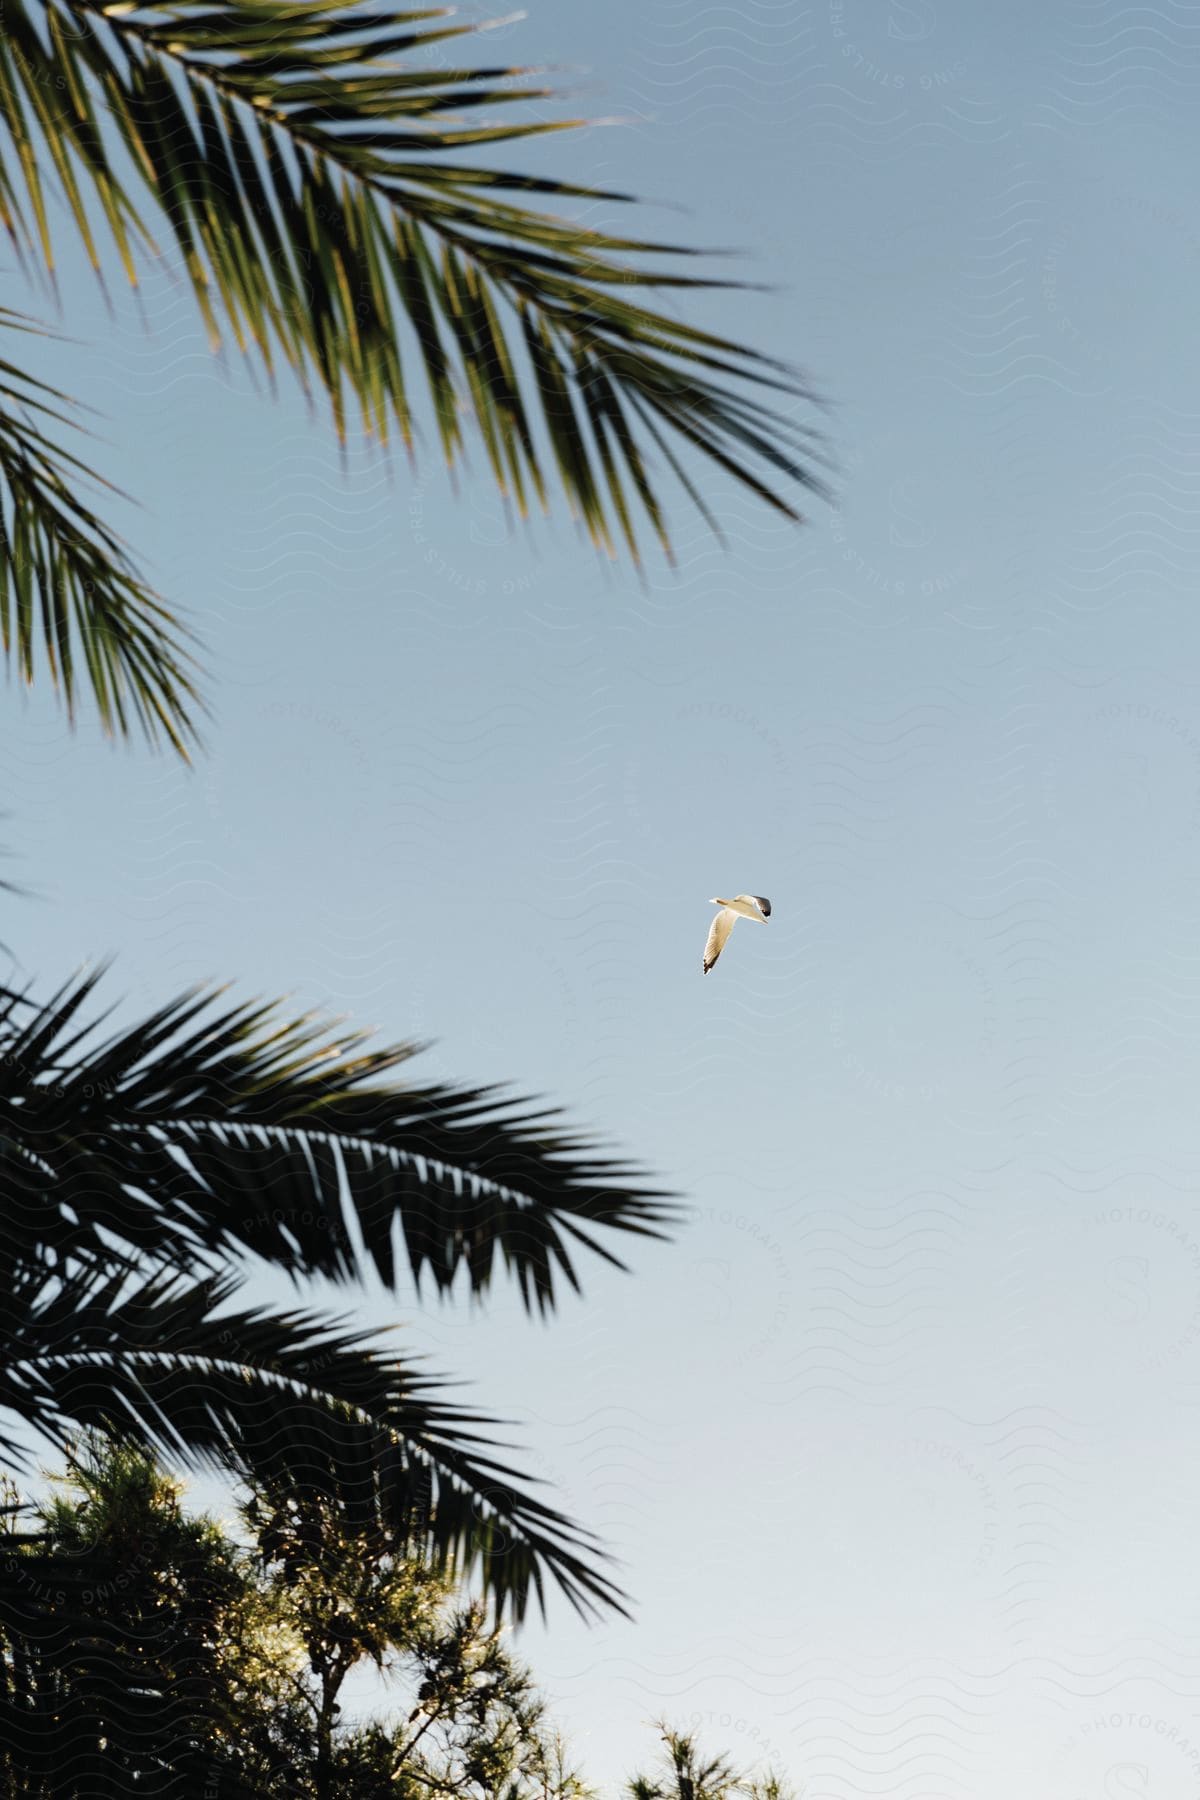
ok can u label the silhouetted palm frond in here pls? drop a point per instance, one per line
(130, 1170)
(289, 1400)
(241, 1128)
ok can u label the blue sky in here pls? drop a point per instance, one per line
(894, 1443)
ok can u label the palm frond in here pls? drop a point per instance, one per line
(68, 591)
(311, 160)
(239, 1127)
(282, 1398)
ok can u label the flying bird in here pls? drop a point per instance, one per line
(742, 906)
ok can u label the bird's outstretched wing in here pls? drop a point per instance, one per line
(719, 930)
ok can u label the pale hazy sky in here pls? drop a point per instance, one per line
(897, 1442)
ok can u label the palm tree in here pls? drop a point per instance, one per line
(139, 1169)
(324, 171)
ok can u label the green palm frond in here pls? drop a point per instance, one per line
(285, 1399)
(68, 591)
(320, 174)
(248, 1130)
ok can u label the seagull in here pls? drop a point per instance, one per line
(742, 906)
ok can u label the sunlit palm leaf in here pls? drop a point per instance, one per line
(308, 158)
(68, 592)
